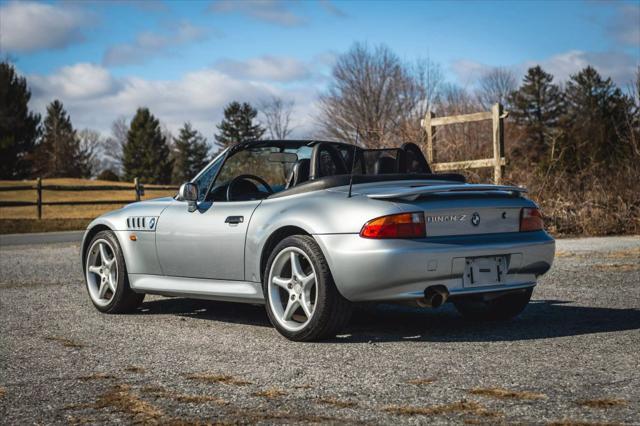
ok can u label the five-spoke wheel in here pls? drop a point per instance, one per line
(292, 288)
(303, 302)
(106, 276)
(102, 272)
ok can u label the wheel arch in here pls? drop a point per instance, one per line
(273, 240)
(91, 232)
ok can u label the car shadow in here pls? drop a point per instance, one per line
(541, 319)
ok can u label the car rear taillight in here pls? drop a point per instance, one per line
(403, 225)
(530, 220)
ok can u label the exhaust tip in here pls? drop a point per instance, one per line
(434, 296)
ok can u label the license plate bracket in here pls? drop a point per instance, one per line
(485, 271)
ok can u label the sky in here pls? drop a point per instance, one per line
(186, 60)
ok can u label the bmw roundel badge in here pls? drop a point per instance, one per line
(475, 219)
(152, 223)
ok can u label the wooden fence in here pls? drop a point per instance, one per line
(137, 187)
(498, 162)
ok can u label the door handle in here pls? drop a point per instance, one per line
(234, 220)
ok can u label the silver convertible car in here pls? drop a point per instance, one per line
(309, 228)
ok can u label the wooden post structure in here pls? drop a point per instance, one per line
(498, 142)
(39, 195)
(136, 186)
(430, 135)
(497, 162)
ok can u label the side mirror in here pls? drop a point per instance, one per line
(189, 192)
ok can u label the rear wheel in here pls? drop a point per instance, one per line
(106, 276)
(503, 307)
(302, 300)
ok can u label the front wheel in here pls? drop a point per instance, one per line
(302, 301)
(494, 309)
(106, 276)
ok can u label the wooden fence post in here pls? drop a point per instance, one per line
(430, 135)
(39, 195)
(136, 186)
(498, 142)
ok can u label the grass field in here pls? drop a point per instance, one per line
(63, 218)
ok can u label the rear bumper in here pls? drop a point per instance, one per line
(396, 270)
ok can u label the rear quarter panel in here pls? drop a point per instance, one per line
(317, 213)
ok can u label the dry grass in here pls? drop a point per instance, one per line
(153, 390)
(426, 381)
(80, 420)
(67, 343)
(217, 378)
(121, 399)
(616, 267)
(603, 403)
(336, 402)
(303, 387)
(569, 422)
(24, 219)
(96, 376)
(270, 393)
(197, 399)
(468, 407)
(134, 369)
(507, 394)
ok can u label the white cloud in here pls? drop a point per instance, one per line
(29, 26)
(94, 98)
(272, 11)
(149, 44)
(620, 66)
(273, 68)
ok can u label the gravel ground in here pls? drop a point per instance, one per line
(572, 357)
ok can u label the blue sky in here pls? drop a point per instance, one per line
(187, 59)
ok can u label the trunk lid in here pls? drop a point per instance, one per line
(456, 208)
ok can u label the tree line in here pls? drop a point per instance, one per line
(143, 147)
(584, 124)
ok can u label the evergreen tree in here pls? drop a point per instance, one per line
(59, 153)
(237, 125)
(191, 154)
(19, 128)
(537, 106)
(146, 153)
(596, 113)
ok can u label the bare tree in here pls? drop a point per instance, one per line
(112, 145)
(277, 117)
(496, 85)
(428, 83)
(91, 147)
(371, 91)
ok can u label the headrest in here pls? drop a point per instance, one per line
(384, 165)
(299, 173)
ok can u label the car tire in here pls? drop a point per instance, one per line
(330, 312)
(117, 298)
(500, 308)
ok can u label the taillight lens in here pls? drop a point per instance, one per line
(530, 220)
(403, 225)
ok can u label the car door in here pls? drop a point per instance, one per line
(205, 243)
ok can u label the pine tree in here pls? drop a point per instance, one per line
(237, 125)
(19, 128)
(595, 117)
(191, 154)
(60, 154)
(146, 153)
(537, 106)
